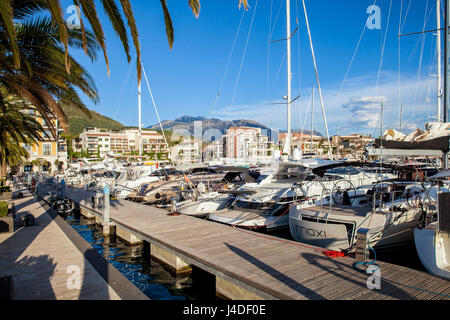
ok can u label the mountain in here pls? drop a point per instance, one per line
(187, 123)
(78, 120)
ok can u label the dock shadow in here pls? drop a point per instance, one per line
(87, 291)
(293, 284)
(344, 271)
(100, 290)
(33, 276)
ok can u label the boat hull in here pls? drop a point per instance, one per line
(202, 208)
(433, 250)
(336, 232)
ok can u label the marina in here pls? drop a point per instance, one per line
(248, 265)
(218, 209)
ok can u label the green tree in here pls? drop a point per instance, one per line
(41, 79)
(11, 10)
(17, 128)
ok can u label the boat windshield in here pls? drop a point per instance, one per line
(261, 178)
(343, 170)
(252, 205)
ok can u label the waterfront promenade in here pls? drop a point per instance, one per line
(51, 261)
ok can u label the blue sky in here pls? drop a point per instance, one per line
(187, 79)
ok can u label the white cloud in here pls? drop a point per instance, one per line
(362, 110)
(356, 108)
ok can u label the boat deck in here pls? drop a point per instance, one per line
(240, 215)
(340, 210)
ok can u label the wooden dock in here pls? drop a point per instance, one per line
(250, 265)
(50, 261)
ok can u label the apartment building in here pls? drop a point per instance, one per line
(49, 155)
(247, 142)
(353, 144)
(301, 141)
(100, 142)
(186, 152)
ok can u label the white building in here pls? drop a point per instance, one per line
(187, 151)
(122, 142)
(247, 142)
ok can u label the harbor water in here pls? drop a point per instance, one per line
(158, 283)
(146, 274)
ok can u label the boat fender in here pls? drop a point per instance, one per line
(157, 195)
(333, 254)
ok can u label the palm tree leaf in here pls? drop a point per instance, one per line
(195, 6)
(127, 10)
(6, 13)
(83, 30)
(168, 21)
(23, 9)
(114, 15)
(244, 3)
(56, 12)
(90, 11)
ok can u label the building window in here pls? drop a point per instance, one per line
(47, 149)
(46, 135)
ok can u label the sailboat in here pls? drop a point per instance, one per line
(432, 240)
(389, 210)
(288, 98)
(265, 205)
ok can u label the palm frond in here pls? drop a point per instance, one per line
(127, 10)
(6, 14)
(195, 6)
(168, 22)
(114, 15)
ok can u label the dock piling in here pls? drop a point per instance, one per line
(105, 211)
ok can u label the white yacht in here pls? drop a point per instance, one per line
(265, 204)
(432, 239)
(389, 209)
(132, 178)
(204, 199)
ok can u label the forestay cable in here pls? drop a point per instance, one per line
(154, 105)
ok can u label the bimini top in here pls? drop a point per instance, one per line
(243, 177)
(440, 143)
(320, 171)
(441, 175)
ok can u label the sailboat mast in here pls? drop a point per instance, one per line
(438, 52)
(140, 119)
(446, 82)
(312, 118)
(446, 56)
(289, 73)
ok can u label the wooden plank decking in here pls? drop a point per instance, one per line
(270, 267)
(39, 257)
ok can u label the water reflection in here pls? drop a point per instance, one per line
(148, 275)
